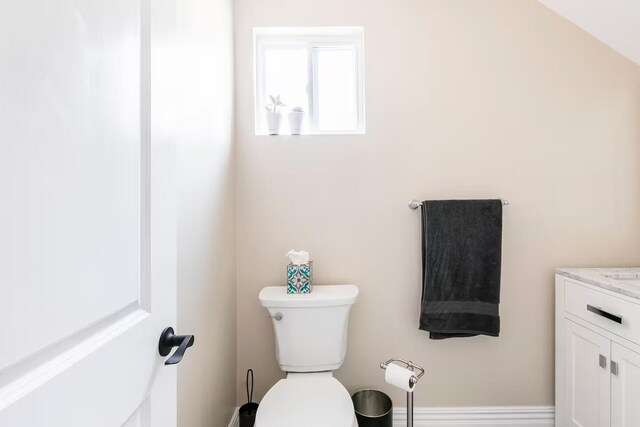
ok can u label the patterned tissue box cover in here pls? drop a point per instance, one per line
(299, 278)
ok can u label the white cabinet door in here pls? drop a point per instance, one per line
(587, 384)
(625, 387)
(87, 213)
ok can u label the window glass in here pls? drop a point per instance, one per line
(286, 74)
(337, 88)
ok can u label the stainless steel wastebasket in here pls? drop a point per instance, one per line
(373, 408)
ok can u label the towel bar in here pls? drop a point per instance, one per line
(415, 204)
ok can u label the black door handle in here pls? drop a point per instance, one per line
(168, 340)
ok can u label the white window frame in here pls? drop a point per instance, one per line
(310, 38)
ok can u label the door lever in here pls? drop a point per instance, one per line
(168, 340)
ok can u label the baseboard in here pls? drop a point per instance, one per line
(235, 419)
(508, 416)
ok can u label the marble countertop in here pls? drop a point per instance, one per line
(625, 281)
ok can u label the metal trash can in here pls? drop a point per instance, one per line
(373, 408)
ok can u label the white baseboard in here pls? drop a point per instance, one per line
(507, 416)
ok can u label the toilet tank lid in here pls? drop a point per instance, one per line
(320, 296)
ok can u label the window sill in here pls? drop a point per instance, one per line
(338, 133)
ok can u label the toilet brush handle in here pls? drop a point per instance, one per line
(249, 394)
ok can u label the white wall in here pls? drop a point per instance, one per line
(206, 216)
(483, 98)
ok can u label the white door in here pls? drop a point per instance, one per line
(587, 385)
(625, 387)
(87, 215)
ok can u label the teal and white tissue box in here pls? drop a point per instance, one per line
(300, 278)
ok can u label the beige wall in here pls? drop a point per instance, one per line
(206, 216)
(483, 98)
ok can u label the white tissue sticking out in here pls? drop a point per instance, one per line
(399, 377)
(298, 257)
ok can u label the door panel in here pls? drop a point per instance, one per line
(587, 383)
(87, 213)
(625, 388)
(140, 418)
(71, 170)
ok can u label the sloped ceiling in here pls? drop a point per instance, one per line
(614, 22)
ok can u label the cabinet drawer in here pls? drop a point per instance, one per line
(616, 315)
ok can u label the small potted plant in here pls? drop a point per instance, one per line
(296, 115)
(274, 117)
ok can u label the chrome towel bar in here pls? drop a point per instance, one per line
(415, 204)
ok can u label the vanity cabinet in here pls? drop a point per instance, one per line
(586, 377)
(625, 387)
(597, 355)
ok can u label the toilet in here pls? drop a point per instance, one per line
(311, 343)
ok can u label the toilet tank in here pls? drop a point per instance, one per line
(310, 329)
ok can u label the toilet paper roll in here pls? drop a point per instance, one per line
(399, 377)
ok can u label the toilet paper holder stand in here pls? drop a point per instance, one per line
(414, 380)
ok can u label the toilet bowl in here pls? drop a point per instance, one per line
(306, 399)
(311, 342)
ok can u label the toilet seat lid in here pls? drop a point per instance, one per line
(306, 400)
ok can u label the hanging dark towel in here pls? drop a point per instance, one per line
(461, 255)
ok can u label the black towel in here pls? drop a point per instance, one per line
(461, 255)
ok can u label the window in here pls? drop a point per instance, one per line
(320, 70)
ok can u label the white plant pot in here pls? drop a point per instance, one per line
(295, 122)
(273, 122)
